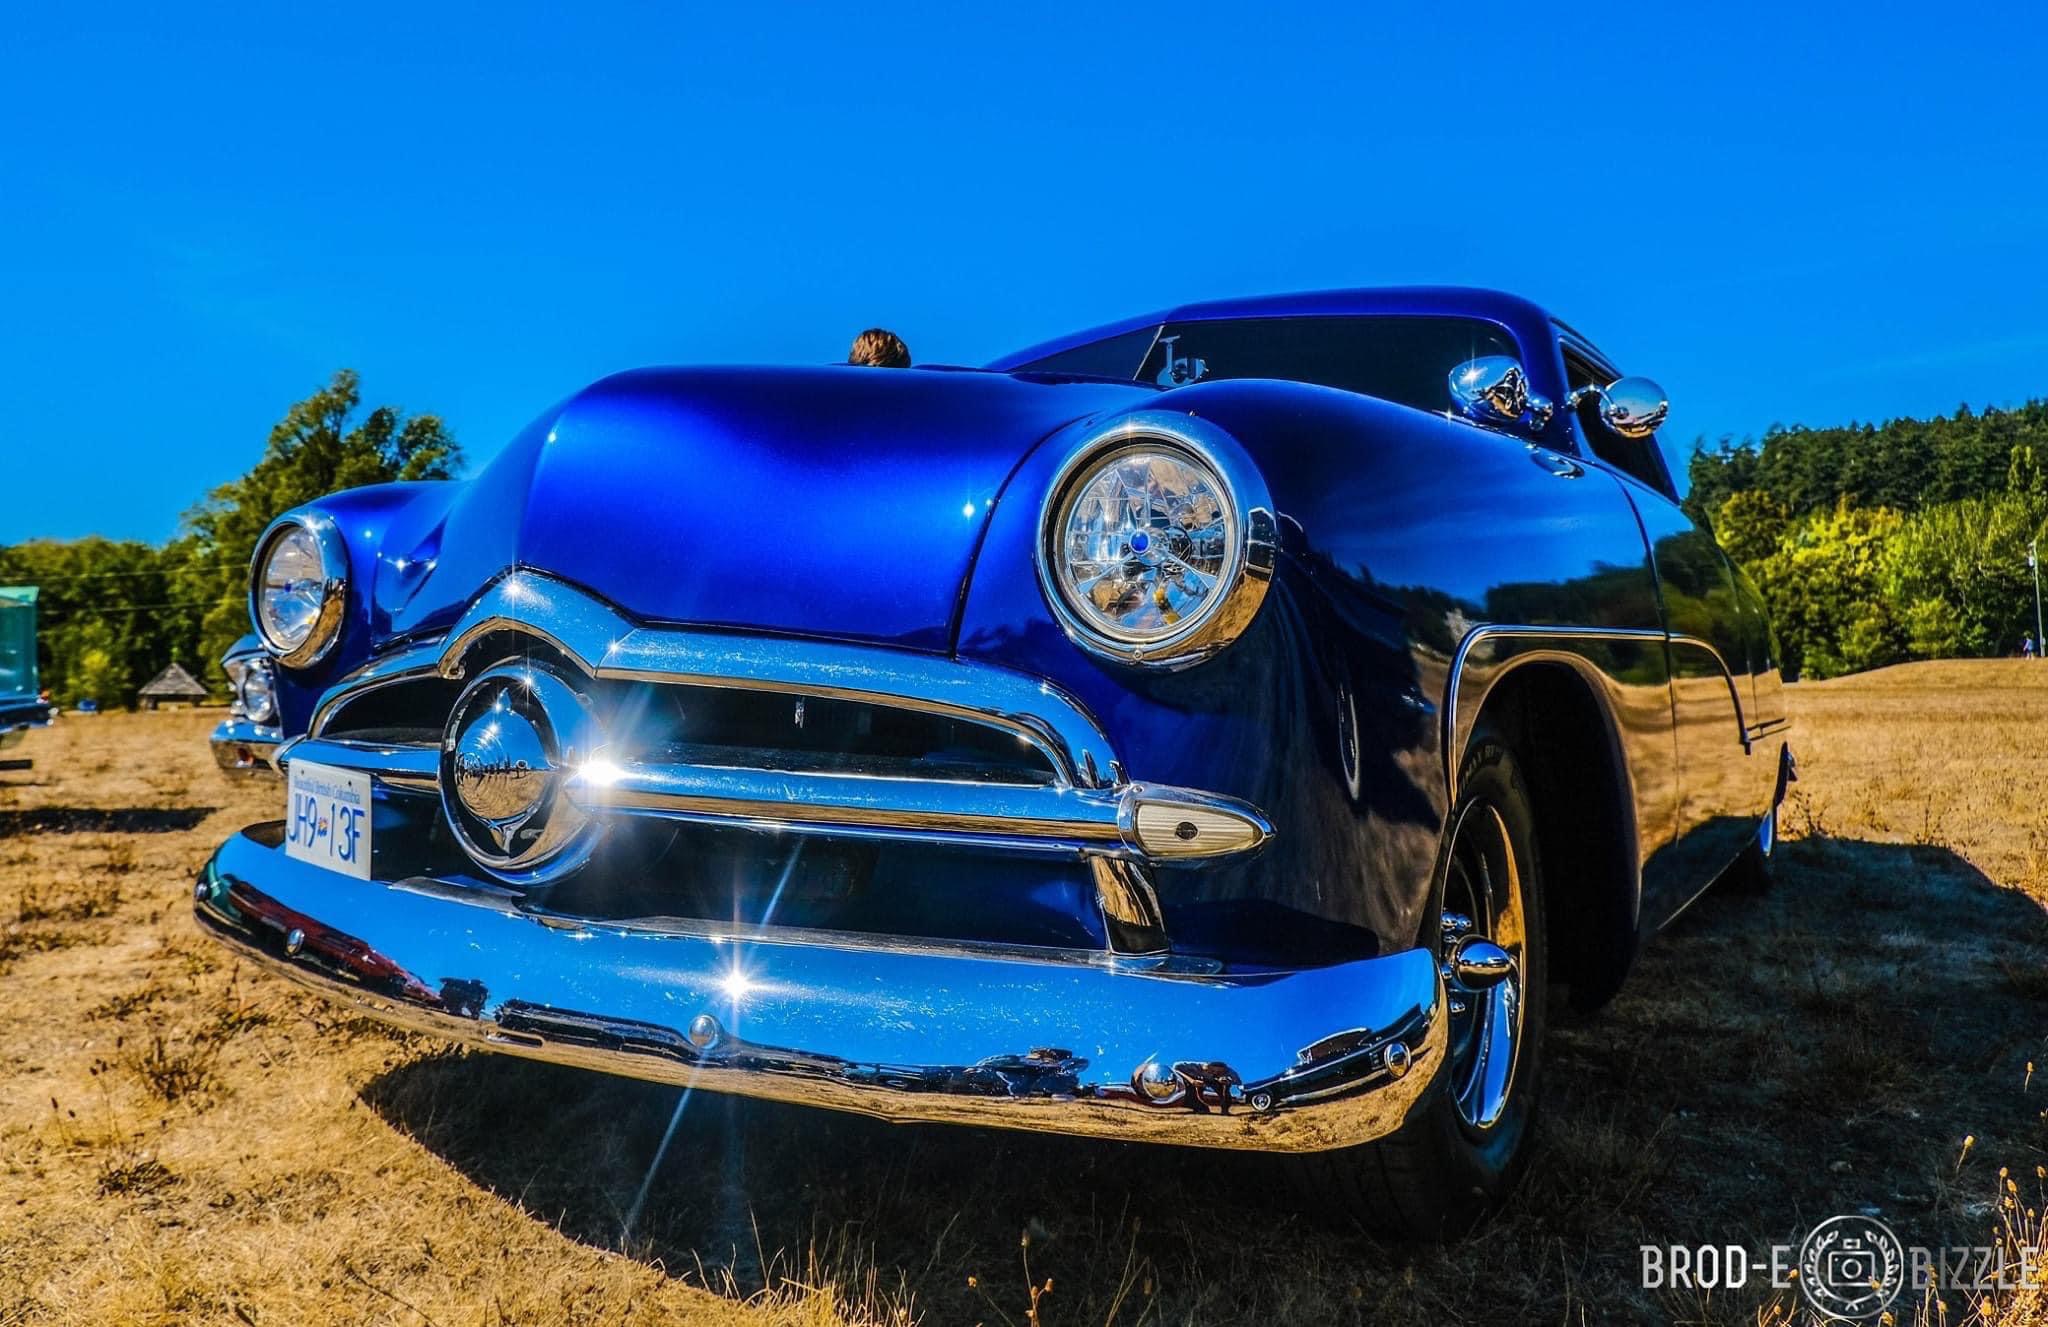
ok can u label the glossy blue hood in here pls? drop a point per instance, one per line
(837, 502)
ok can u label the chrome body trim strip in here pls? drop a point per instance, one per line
(1727, 673)
(1521, 631)
(1769, 728)
(1074, 1042)
(1452, 752)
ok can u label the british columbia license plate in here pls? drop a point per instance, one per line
(327, 817)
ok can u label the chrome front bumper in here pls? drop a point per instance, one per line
(246, 750)
(1076, 1042)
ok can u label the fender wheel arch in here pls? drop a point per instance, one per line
(1570, 756)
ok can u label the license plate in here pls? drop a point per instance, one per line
(327, 817)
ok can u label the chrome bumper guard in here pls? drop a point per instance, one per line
(246, 750)
(1075, 1042)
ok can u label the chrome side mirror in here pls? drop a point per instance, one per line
(1629, 407)
(1494, 390)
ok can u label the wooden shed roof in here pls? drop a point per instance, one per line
(174, 682)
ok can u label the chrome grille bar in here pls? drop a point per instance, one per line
(999, 815)
(1088, 806)
(608, 645)
(1137, 820)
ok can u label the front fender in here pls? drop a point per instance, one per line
(1400, 533)
(371, 520)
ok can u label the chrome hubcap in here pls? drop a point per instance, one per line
(1481, 938)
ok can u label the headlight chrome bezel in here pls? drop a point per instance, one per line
(1249, 560)
(333, 606)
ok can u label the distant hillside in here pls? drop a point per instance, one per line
(1874, 544)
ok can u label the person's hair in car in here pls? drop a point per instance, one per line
(879, 348)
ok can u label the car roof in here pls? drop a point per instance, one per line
(1527, 320)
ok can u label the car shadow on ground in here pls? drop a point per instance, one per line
(101, 820)
(1773, 1061)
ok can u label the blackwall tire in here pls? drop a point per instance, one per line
(1462, 1151)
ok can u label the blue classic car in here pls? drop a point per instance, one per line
(1230, 727)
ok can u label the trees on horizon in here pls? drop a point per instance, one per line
(1875, 544)
(113, 613)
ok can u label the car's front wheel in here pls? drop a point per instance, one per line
(1461, 1151)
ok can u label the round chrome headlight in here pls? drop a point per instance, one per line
(298, 588)
(256, 690)
(1157, 543)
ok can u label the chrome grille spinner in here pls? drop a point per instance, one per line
(513, 742)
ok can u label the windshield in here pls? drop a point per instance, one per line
(1406, 358)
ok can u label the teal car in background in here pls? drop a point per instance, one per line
(21, 703)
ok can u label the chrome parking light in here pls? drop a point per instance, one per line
(255, 687)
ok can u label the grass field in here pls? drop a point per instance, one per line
(185, 1141)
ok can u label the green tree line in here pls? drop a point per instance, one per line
(1875, 544)
(113, 613)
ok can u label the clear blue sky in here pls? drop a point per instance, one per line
(1783, 214)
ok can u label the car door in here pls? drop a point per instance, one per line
(1716, 645)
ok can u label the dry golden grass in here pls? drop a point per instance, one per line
(182, 1141)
